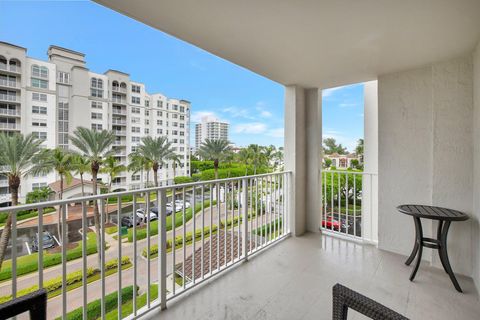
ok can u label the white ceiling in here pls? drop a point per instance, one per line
(321, 43)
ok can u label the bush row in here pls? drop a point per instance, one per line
(179, 239)
(25, 214)
(94, 308)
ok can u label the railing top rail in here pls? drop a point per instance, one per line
(123, 193)
(351, 172)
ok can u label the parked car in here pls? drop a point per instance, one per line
(127, 221)
(177, 207)
(331, 224)
(180, 204)
(48, 241)
(141, 214)
(155, 210)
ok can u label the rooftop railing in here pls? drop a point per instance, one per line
(151, 245)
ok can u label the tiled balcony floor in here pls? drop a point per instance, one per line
(293, 280)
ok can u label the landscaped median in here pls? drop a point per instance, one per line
(29, 263)
(25, 214)
(74, 279)
(179, 241)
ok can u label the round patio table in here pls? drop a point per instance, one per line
(445, 217)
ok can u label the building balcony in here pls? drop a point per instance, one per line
(119, 122)
(10, 84)
(120, 132)
(11, 68)
(9, 112)
(119, 90)
(9, 126)
(9, 98)
(3, 183)
(120, 143)
(119, 101)
(119, 112)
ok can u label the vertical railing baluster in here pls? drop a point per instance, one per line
(174, 215)
(238, 217)
(64, 259)
(225, 225)
(346, 203)
(219, 217)
(250, 213)
(339, 204)
(232, 213)
(84, 259)
(256, 213)
(245, 218)
(203, 228)
(211, 229)
(162, 249)
(134, 238)
(270, 209)
(325, 200)
(354, 205)
(14, 254)
(194, 234)
(102, 253)
(40, 247)
(263, 206)
(184, 235)
(147, 217)
(119, 252)
(332, 188)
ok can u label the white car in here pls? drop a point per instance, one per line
(141, 215)
(180, 203)
(178, 207)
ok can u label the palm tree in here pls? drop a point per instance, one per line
(214, 150)
(59, 161)
(112, 168)
(157, 151)
(18, 154)
(244, 157)
(94, 146)
(176, 159)
(80, 166)
(257, 156)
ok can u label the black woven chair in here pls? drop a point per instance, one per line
(344, 298)
(35, 303)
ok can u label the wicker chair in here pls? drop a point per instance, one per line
(344, 298)
(35, 303)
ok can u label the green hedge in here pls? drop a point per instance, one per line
(231, 172)
(265, 230)
(94, 308)
(25, 214)
(142, 233)
(55, 284)
(183, 179)
(29, 263)
(179, 240)
(127, 307)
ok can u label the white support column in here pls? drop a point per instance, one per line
(303, 127)
(370, 159)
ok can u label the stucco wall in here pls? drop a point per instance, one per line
(426, 153)
(476, 168)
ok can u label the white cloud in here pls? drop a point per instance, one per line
(265, 114)
(346, 105)
(236, 112)
(250, 128)
(198, 115)
(276, 133)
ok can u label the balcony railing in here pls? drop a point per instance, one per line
(9, 112)
(217, 225)
(119, 89)
(9, 83)
(3, 183)
(8, 97)
(120, 132)
(119, 100)
(119, 143)
(119, 122)
(117, 111)
(12, 68)
(347, 204)
(9, 126)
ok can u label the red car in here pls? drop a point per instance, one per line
(331, 224)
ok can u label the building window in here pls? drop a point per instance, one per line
(159, 113)
(63, 124)
(97, 116)
(40, 135)
(97, 105)
(39, 110)
(39, 124)
(39, 83)
(182, 125)
(63, 77)
(175, 116)
(175, 124)
(175, 132)
(159, 104)
(134, 148)
(159, 131)
(38, 185)
(135, 88)
(147, 113)
(136, 100)
(39, 97)
(135, 139)
(147, 103)
(96, 88)
(175, 107)
(39, 72)
(136, 129)
(159, 122)
(147, 131)
(135, 110)
(182, 117)
(136, 177)
(135, 120)
(147, 122)
(97, 127)
(182, 133)
(182, 109)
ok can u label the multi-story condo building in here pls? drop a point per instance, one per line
(210, 128)
(52, 98)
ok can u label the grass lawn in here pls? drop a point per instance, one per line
(29, 263)
(127, 307)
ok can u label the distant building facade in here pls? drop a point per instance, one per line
(50, 99)
(210, 128)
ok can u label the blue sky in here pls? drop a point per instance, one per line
(253, 105)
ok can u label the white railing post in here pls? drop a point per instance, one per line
(244, 204)
(162, 252)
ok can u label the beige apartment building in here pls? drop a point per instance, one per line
(210, 128)
(52, 98)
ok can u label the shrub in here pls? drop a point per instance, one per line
(196, 177)
(182, 179)
(94, 308)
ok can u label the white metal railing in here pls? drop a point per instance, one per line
(119, 89)
(119, 100)
(348, 204)
(3, 183)
(11, 67)
(8, 97)
(219, 223)
(9, 83)
(119, 143)
(117, 111)
(120, 132)
(9, 126)
(9, 112)
(117, 121)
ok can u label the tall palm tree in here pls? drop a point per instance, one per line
(176, 159)
(80, 166)
(157, 151)
(244, 157)
(60, 161)
(214, 150)
(112, 168)
(257, 156)
(18, 154)
(94, 146)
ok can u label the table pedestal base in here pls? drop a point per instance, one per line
(440, 244)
